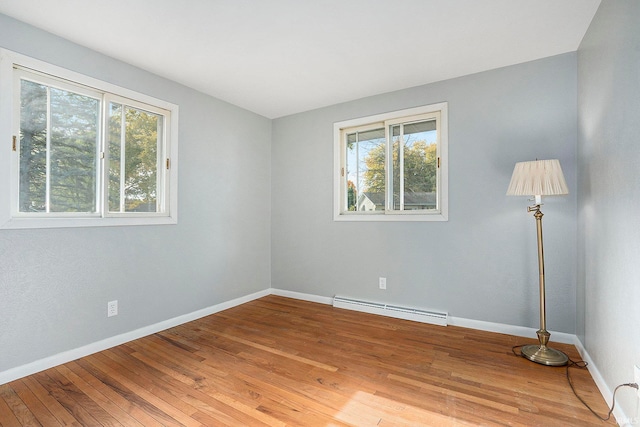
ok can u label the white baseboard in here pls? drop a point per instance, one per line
(302, 296)
(76, 353)
(67, 356)
(501, 328)
(621, 418)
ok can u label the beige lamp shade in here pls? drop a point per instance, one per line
(537, 178)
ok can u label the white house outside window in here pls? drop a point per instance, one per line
(392, 167)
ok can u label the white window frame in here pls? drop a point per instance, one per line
(167, 195)
(340, 130)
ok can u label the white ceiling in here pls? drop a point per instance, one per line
(279, 57)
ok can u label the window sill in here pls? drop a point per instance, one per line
(27, 223)
(396, 217)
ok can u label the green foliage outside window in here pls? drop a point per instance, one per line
(133, 188)
(58, 150)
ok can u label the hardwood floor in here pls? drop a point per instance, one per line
(277, 361)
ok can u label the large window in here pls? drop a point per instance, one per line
(392, 167)
(84, 152)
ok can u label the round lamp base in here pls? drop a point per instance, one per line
(544, 355)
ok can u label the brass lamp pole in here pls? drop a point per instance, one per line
(538, 178)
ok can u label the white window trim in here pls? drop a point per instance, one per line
(339, 161)
(9, 162)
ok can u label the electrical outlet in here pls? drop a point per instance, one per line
(382, 282)
(112, 308)
(636, 377)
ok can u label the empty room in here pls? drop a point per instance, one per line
(324, 213)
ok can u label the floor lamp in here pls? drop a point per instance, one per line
(540, 178)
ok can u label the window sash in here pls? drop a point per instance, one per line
(161, 171)
(401, 125)
(355, 138)
(24, 77)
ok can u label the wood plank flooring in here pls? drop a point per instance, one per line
(282, 362)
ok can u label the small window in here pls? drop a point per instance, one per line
(85, 152)
(392, 167)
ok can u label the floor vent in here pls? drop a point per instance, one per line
(407, 313)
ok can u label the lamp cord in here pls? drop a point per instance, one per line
(581, 364)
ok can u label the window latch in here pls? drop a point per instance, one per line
(13, 144)
(168, 163)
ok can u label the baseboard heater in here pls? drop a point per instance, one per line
(406, 313)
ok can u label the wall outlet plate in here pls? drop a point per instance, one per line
(112, 308)
(382, 282)
(636, 377)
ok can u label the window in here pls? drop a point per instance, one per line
(392, 167)
(84, 152)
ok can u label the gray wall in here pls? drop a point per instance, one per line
(609, 205)
(55, 283)
(482, 263)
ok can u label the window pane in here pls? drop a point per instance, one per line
(396, 149)
(420, 165)
(59, 133)
(33, 147)
(365, 170)
(133, 170)
(73, 151)
(114, 139)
